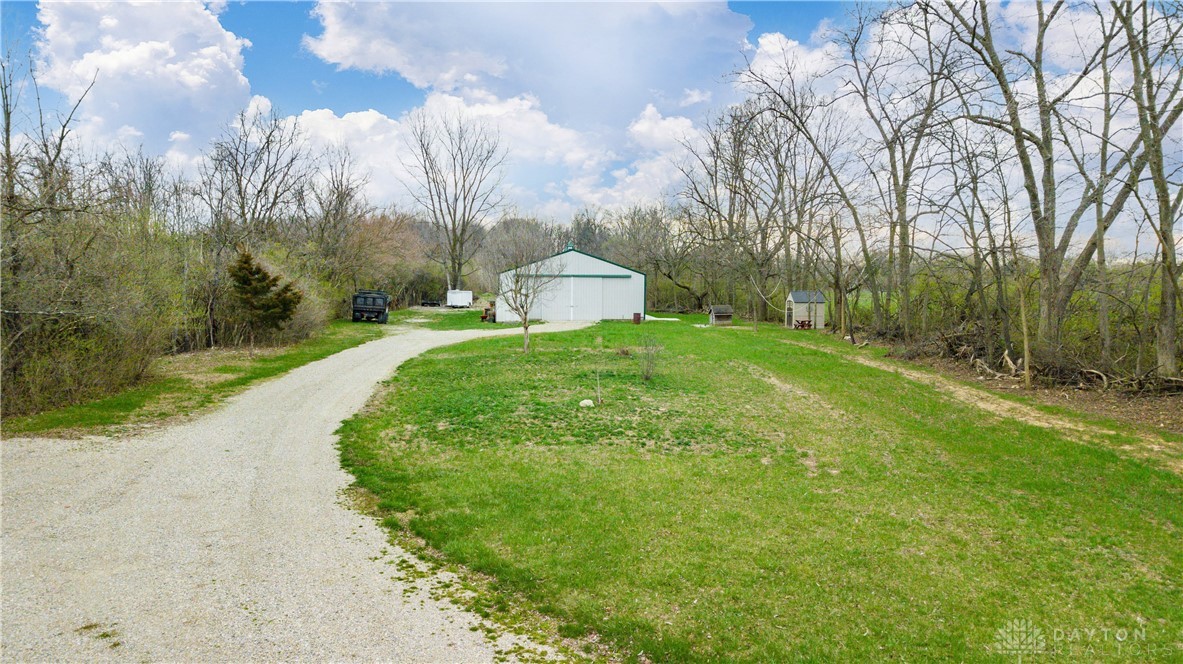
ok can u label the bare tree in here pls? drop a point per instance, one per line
(974, 202)
(456, 165)
(1152, 32)
(332, 211)
(1016, 95)
(805, 199)
(589, 231)
(523, 250)
(735, 190)
(898, 67)
(653, 237)
(816, 122)
(255, 174)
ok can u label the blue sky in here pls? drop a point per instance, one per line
(276, 31)
(591, 98)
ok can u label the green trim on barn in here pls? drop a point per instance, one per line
(645, 297)
(600, 258)
(567, 251)
(589, 276)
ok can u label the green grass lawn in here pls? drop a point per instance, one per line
(460, 319)
(881, 353)
(758, 501)
(187, 383)
(442, 318)
(439, 318)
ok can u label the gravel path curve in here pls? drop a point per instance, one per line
(224, 538)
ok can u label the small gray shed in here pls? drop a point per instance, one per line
(721, 314)
(805, 310)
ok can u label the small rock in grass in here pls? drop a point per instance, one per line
(586, 403)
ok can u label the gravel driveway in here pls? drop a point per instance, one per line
(223, 538)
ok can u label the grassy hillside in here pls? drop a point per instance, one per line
(762, 501)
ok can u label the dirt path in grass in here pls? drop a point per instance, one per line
(223, 538)
(1149, 447)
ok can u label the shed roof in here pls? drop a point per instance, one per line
(722, 309)
(807, 296)
(571, 249)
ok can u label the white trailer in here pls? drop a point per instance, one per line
(459, 298)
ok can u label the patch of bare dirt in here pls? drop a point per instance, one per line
(1160, 412)
(201, 366)
(476, 304)
(1149, 446)
(814, 400)
(808, 460)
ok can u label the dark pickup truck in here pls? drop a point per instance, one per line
(370, 305)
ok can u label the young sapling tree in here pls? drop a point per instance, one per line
(520, 248)
(648, 354)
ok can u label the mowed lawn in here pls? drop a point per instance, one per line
(760, 501)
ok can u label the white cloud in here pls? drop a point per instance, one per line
(158, 68)
(129, 135)
(258, 105)
(694, 96)
(590, 64)
(541, 152)
(374, 140)
(563, 82)
(651, 131)
(529, 133)
(553, 169)
(644, 180)
(653, 172)
(386, 37)
(577, 91)
(777, 55)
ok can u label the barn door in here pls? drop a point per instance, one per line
(587, 298)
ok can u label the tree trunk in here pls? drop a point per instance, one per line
(849, 317)
(905, 264)
(1156, 93)
(1014, 249)
(1026, 336)
(1103, 297)
(1000, 299)
(1166, 342)
(455, 272)
(839, 290)
(1051, 309)
(757, 307)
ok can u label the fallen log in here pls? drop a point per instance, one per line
(1104, 378)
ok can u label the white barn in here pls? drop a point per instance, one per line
(586, 288)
